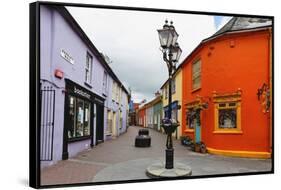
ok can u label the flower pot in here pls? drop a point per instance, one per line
(197, 148)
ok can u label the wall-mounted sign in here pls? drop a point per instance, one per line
(81, 93)
(66, 56)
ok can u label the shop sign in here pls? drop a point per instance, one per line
(66, 56)
(81, 93)
(98, 100)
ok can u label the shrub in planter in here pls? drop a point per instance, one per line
(186, 140)
(183, 139)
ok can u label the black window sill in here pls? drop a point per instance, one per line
(75, 139)
(88, 85)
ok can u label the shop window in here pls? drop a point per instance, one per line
(190, 120)
(79, 114)
(88, 69)
(196, 75)
(228, 114)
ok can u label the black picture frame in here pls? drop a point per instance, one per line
(34, 92)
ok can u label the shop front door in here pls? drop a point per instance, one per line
(99, 123)
(197, 129)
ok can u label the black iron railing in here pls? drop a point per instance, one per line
(47, 97)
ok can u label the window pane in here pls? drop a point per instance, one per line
(227, 118)
(192, 124)
(72, 123)
(222, 105)
(87, 76)
(196, 82)
(79, 118)
(87, 118)
(232, 104)
(87, 63)
(88, 69)
(196, 74)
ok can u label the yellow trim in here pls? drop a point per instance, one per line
(235, 153)
(228, 98)
(189, 130)
(224, 131)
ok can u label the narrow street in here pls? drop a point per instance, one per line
(118, 159)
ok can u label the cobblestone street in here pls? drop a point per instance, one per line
(118, 159)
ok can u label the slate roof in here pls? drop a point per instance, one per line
(243, 23)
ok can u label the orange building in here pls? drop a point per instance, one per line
(141, 116)
(226, 90)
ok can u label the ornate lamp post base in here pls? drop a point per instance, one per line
(168, 169)
(159, 170)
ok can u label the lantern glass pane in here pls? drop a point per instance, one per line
(175, 37)
(165, 37)
(174, 55)
(179, 54)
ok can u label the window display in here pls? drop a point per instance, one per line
(79, 114)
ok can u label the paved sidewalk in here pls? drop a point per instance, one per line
(118, 159)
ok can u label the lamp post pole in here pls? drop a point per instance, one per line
(169, 144)
(171, 53)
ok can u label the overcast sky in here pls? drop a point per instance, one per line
(130, 40)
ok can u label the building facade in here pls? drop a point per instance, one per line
(176, 100)
(227, 90)
(157, 112)
(133, 107)
(141, 115)
(149, 114)
(76, 90)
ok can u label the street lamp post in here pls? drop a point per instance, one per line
(171, 53)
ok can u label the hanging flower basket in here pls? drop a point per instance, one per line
(169, 126)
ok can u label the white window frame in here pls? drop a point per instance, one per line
(88, 69)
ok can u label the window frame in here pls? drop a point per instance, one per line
(77, 138)
(193, 87)
(89, 69)
(228, 99)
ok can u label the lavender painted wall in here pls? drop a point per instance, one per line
(55, 35)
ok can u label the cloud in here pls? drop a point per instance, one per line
(130, 39)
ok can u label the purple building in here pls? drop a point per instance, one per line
(83, 102)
